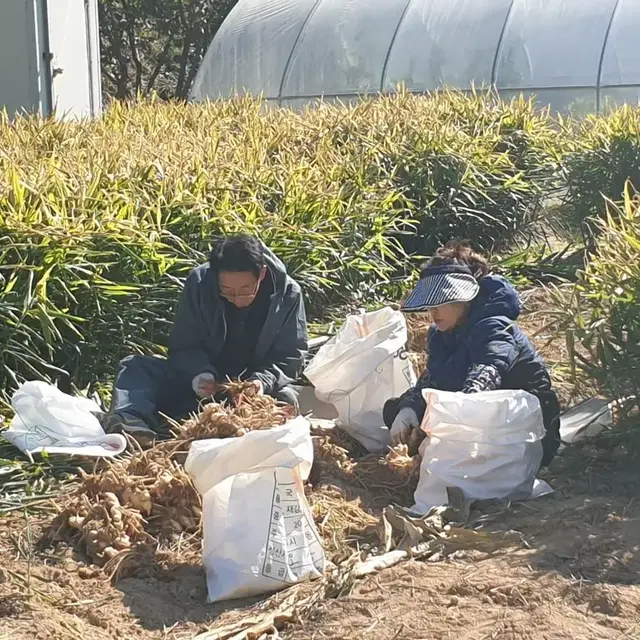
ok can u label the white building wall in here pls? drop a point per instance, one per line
(68, 80)
(18, 57)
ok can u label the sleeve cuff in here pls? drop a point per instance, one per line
(482, 377)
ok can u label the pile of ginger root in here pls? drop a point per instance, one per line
(145, 497)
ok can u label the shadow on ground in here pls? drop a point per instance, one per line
(174, 595)
(589, 529)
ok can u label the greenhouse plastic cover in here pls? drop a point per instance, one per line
(569, 53)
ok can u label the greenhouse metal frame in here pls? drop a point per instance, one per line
(574, 55)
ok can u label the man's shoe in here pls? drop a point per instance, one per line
(131, 425)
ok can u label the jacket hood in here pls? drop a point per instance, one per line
(497, 297)
(277, 269)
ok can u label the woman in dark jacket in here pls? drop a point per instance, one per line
(474, 343)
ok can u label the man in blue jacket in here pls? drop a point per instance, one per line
(474, 344)
(240, 317)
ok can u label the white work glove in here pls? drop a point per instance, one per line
(204, 385)
(259, 387)
(405, 422)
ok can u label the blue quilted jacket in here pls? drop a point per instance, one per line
(489, 351)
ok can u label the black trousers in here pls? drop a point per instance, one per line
(550, 415)
(146, 386)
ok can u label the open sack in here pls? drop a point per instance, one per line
(46, 419)
(487, 444)
(259, 533)
(361, 367)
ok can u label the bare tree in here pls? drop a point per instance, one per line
(156, 45)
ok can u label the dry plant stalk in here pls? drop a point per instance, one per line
(394, 475)
(338, 518)
(418, 325)
(334, 460)
(346, 488)
(333, 457)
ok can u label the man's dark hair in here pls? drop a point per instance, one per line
(236, 253)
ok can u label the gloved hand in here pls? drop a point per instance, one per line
(259, 387)
(204, 385)
(402, 426)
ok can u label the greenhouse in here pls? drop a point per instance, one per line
(574, 55)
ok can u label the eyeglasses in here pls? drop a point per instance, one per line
(240, 295)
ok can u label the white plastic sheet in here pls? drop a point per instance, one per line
(336, 54)
(360, 368)
(48, 420)
(447, 43)
(259, 533)
(251, 50)
(486, 444)
(586, 420)
(553, 44)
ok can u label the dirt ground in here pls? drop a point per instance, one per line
(576, 574)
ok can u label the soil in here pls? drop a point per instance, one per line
(575, 575)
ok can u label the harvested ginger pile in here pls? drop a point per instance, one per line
(247, 412)
(144, 498)
(147, 497)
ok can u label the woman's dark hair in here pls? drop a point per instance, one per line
(460, 253)
(238, 253)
